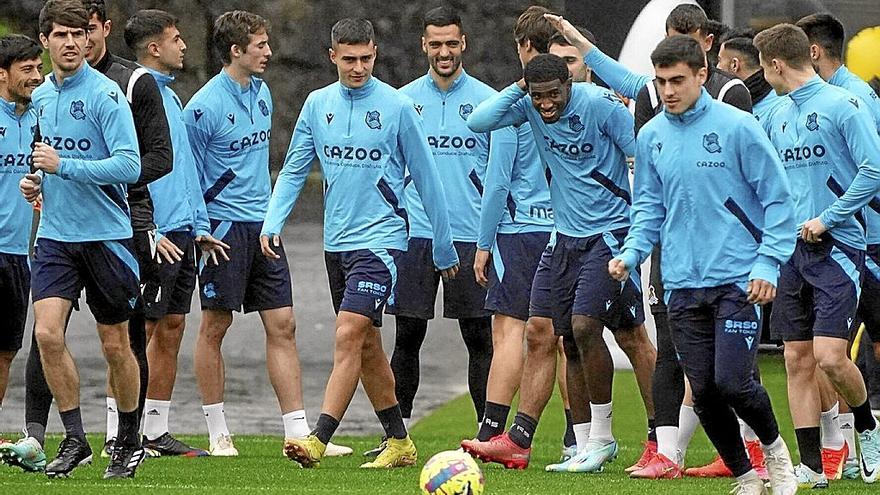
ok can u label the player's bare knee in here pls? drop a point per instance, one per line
(50, 341)
(832, 363)
(539, 339)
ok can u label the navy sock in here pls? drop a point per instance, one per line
(522, 431)
(128, 428)
(863, 420)
(810, 447)
(652, 430)
(569, 439)
(73, 423)
(325, 428)
(494, 421)
(392, 422)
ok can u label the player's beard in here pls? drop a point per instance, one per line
(456, 63)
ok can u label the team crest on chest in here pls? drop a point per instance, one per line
(372, 120)
(813, 122)
(711, 144)
(78, 110)
(264, 109)
(465, 110)
(574, 122)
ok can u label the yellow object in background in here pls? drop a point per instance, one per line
(854, 349)
(861, 53)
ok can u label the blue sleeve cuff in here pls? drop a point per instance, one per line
(826, 220)
(765, 268)
(630, 258)
(447, 259)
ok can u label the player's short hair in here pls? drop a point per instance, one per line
(532, 26)
(826, 31)
(688, 18)
(68, 13)
(145, 26)
(17, 48)
(785, 42)
(441, 17)
(559, 39)
(235, 28)
(545, 68)
(747, 50)
(352, 31)
(679, 48)
(96, 8)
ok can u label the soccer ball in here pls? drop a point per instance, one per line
(452, 473)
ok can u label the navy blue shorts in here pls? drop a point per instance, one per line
(172, 295)
(818, 291)
(248, 280)
(869, 303)
(540, 301)
(582, 285)
(418, 281)
(514, 263)
(15, 287)
(107, 270)
(363, 281)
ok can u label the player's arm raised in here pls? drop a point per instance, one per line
(502, 155)
(289, 183)
(500, 110)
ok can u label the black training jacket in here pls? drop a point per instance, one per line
(154, 139)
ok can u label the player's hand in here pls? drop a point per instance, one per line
(481, 267)
(267, 250)
(31, 187)
(168, 250)
(571, 34)
(618, 270)
(812, 230)
(760, 291)
(450, 273)
(45, 158)
(211, 246)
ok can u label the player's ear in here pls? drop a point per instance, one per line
(424, 45)
(332, 54)
(44, 41)
(815, 53)
(4, 76)
(108, 25)
(463, 42)
(702, 75)
(708, 41)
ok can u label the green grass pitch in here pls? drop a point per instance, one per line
(261, 468)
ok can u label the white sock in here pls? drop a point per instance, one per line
(667, 442)
(848, 429)
(776, 446)
(406, 422)
(295, 424)
(582, 434)
(112, 420)
(156, 418)
(216, 419)
(749, 476)
(832, 438)
(687, 425)
(746, 431)
(600, 427)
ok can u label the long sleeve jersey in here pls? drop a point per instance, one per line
(868, 100)
(229, 127)
(711, 190)
(178, 196)
(461, 155)
(16, 136)
(586, 151)
(366, 139)
(831, 153)
(517, 196)
(87, 120)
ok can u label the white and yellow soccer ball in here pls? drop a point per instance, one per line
(452, 473)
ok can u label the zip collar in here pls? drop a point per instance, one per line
(161, 78)
(359, 93)
(456, 84)
(238, 90)
(74, 79)
(9, 108)
(694, 113)
(839, 76)
(807, 91)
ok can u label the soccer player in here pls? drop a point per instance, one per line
(181, 220)
(831, 151)
(587, 138)
(89, 152)
(228, 124)
(155, 152)
(20, 73)
(701, 151)
(444, 98)
(827, 36)
(669, 391)
(365, 134)
(739, 57)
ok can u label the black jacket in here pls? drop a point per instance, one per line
(154, 139)
(736, 94)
